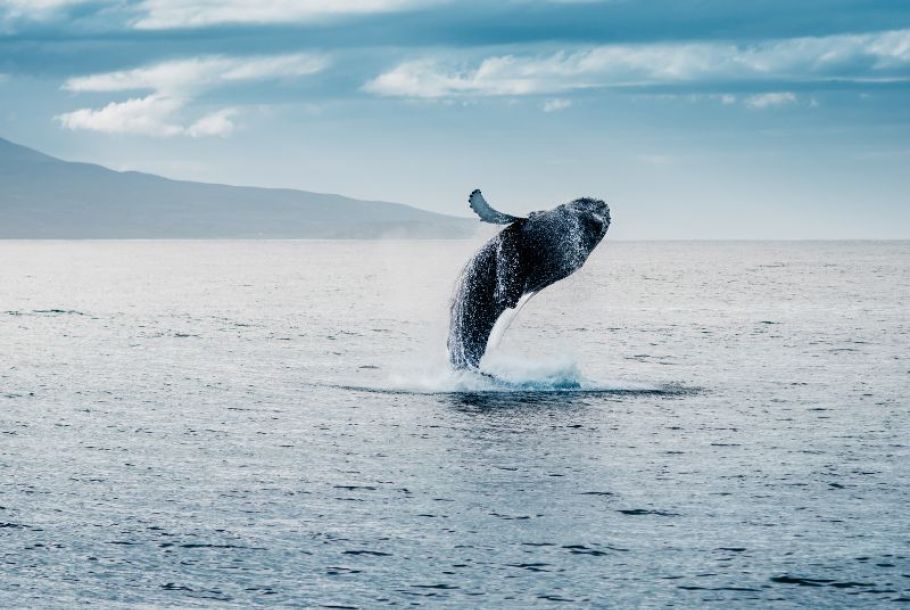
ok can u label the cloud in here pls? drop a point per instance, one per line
(770, 100)
(150, 116)
(173, 86)
(555, 104)
(164, 14)
(14, 11)
(880, 56)
(34, 9)
(755, 101)
(215, 124)
(727, 99)
(200, 73)
(145, 116)
(495, 76)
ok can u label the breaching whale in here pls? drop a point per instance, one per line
(524, 258)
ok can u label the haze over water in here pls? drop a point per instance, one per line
(232, 424)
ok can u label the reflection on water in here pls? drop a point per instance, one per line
(519, 401)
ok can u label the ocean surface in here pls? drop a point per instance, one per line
(232, 424)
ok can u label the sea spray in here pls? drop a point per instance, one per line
(506, 374)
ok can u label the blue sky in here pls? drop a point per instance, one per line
(699, 119)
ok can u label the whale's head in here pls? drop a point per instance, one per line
(593, 217)
(589, 220)
(560, 240)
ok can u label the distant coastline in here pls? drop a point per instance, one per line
(42, 197)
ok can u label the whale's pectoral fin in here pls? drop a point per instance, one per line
(509, 279)
(486, 211)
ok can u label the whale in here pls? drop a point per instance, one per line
(525, 257)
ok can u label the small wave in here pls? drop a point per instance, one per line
(45, 312)
(507, 376)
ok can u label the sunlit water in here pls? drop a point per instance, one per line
(231, 424)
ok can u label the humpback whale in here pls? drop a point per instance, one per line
(525, 257)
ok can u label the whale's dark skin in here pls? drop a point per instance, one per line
(524, 258)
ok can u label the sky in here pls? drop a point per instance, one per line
(705, 119)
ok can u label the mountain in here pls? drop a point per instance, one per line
(42, 197)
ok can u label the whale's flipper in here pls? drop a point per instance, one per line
(486, 212)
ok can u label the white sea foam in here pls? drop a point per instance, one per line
(507, 374)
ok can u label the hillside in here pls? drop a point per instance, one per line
(48, 198)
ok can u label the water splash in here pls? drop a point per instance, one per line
(508, 375)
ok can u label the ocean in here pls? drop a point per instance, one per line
(232, 424)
